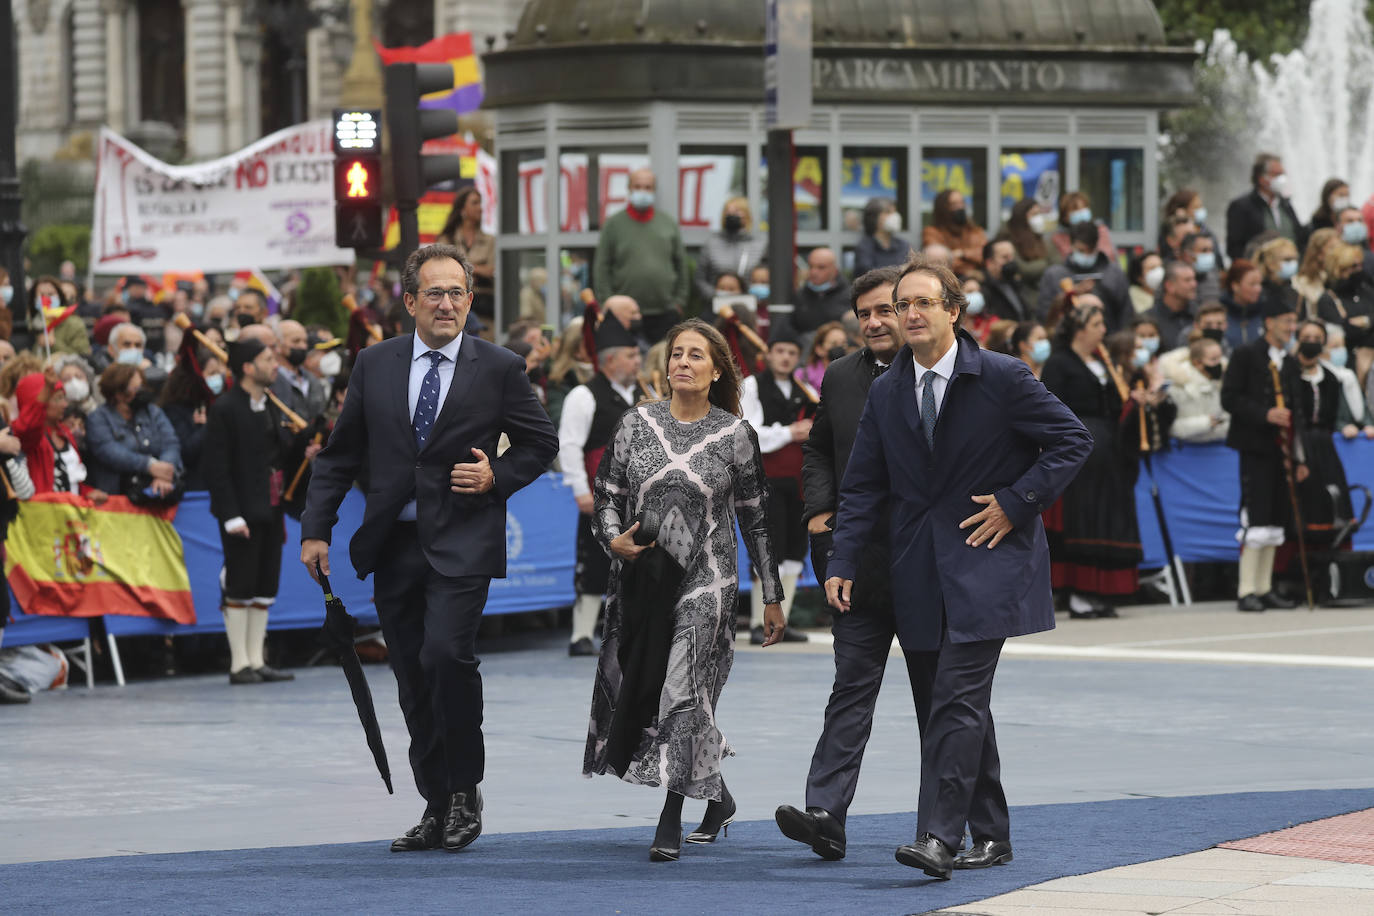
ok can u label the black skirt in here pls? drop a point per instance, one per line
(1324, 497)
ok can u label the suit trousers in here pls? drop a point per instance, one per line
(961, 774)
(430, 623)
(863, 641)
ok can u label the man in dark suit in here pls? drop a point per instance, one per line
(967, 448)
(1001, 281)
(1265, 208)
(423, 413)
(863, 637)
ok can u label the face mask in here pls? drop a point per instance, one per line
(196, 311)
(296, 356)
(958, 217)
(1142, 356)
(130, 357)
(1287, 269)
(893, 222)
(819, 287)
(1339, 203)
(1040, 350)
(733, 223)
(1153, 277)
(1216, 334)
(1200, 215)
(1010, 273)
(641, 200)
(77, 390)
(1037, 223)
(140, 400)
(1213, 372)
(244, 319)
(331, 364)
(759, 290)
(215, 383)
(636, 326)
(1354, 233)
(1081, 259)
(1206, 262)
(1151, 345)
(1083, 215)
(1310, 349)
(233, 294)
(975, 303)
(1279, 185)
(1338, 356)
(369, 295)
(7, 293)
(231, 333)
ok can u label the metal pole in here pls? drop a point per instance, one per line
(782, 221)
(12, 230)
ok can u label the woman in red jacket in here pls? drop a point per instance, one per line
(54, 463)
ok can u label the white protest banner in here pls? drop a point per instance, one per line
(269, 206)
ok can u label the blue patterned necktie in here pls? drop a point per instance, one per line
(928, 406)
(427, 407)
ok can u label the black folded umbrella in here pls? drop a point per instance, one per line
(337, 634)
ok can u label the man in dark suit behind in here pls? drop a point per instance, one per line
(423, 412)
(967, 448)
(1265, 207)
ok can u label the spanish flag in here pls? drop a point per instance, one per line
(67, 557)
(454, 49)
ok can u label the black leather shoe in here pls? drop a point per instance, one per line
(1105, 612)
(424, 835)
(1252, 603)
(245, 676)
(463, 823)
(583, 646)
(816, 827)
(272, 674)
(928, 854)
(1278, 602)
(984, 853)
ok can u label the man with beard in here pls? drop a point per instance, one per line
(590, 414)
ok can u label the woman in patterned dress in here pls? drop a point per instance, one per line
(692, 462)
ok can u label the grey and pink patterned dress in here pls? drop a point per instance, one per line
(698, 477)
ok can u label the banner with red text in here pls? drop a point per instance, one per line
(268, 206)
(67, 557)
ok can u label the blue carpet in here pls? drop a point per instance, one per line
(754, 870)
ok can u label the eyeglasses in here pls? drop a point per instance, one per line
(923, 304)
(434, 295)
(881, 312)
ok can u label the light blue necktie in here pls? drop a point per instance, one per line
(427, 407)
(928, 406)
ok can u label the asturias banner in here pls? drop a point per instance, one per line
(269, 206)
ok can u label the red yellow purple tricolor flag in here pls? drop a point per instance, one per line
(454, 49)
(67, 557)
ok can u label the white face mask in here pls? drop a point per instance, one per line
(1153, 277)
(1339, 203)
(331, 364)
(1279, 185)
(7, 293)
(77, 389)
(975, 303)
(1037, 223)
(893, 222)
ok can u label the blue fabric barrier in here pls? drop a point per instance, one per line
(29, 629)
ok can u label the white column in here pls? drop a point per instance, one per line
(116, 53)
(88, 61)
(234, 137)
(206, 48)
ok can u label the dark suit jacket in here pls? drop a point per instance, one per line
(1004, 301)
(1248, 215)
(461, 534)
(234, 463)
(1247, 393)
(999, 432)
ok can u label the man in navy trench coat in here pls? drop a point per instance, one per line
(968, 448)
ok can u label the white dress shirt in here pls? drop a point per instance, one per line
(944, 371)
(575, 424)
(419, 368)
(771, 438)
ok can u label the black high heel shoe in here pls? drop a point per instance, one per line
(666, 848)
(718, 818)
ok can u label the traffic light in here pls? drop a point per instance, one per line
(357, 178)
(410, 125)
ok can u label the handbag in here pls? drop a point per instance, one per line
(138, 489)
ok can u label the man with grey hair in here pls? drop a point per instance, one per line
(640, 254)
(127, 344)
(823, 297)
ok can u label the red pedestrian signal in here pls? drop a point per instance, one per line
(357, 179)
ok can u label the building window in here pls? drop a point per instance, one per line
(594, 184)
(960, 168)
(1114, 180)
(69, 65)
(1037, 173)
(708, 176)
(162, 62)
(523, 197)
(808, 188)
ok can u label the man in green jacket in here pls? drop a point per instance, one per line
(640, 255)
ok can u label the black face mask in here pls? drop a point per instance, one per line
(1348, 285)
(1311, 349)
(958, 217)
(243, 319)
(733, 223)
(1009, 272)
(1213, 372)
(297, 355)
(1216, 334)
(835, 353)
(140, 400)
(636, 326)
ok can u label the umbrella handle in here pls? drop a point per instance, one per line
(324, 581)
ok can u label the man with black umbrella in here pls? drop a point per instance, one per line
(424, 413)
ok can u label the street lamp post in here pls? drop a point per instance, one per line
(12, 230)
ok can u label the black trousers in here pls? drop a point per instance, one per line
(863, 639)
(961, 774)
(430, 623)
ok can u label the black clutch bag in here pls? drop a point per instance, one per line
(649, 524)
